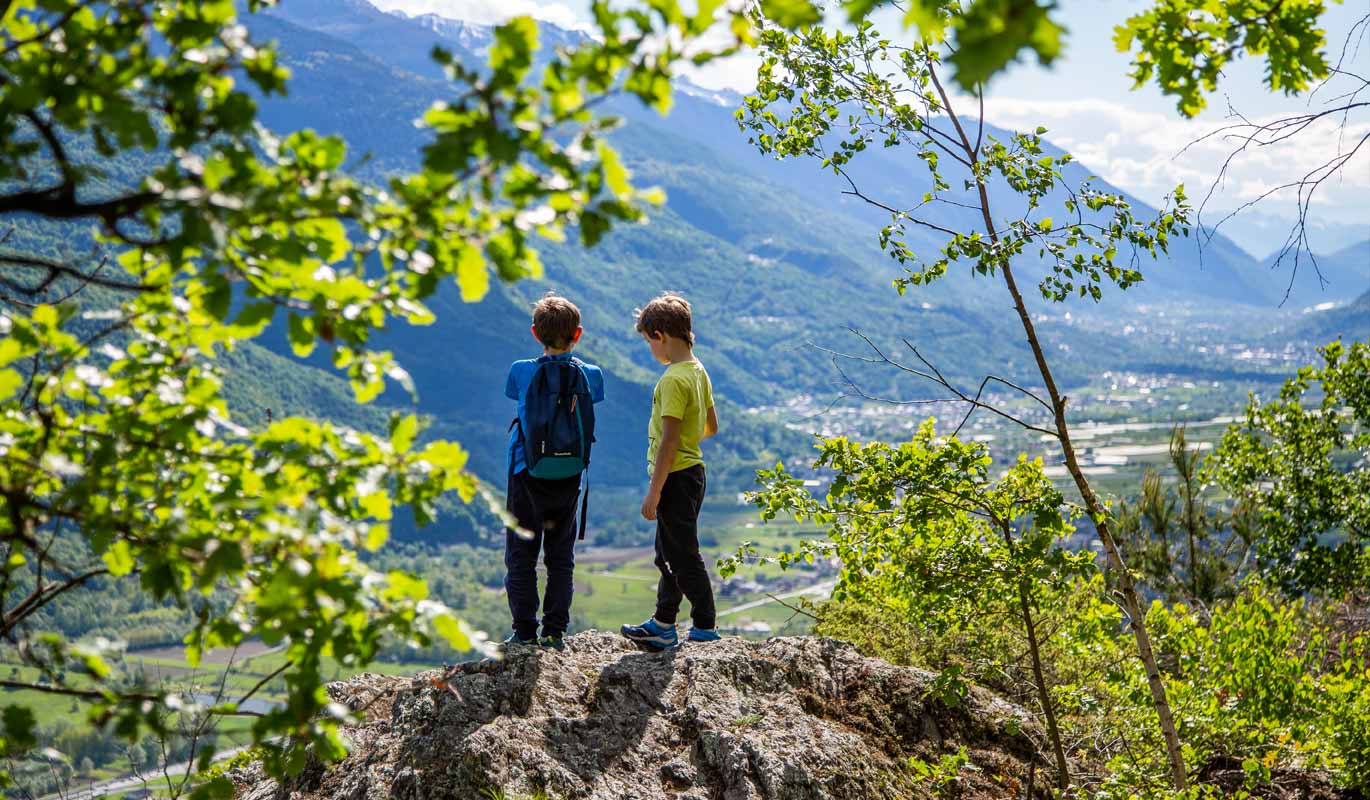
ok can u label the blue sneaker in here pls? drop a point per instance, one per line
(652, 634)
(703, 635)
(514, 639)
(554, 642)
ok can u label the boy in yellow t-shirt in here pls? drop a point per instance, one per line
(682, 417)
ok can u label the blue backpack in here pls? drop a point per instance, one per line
(557, 425)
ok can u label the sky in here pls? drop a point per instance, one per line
(1132, 138)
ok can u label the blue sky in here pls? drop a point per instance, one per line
(1129, 137)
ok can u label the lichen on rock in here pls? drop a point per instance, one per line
(788, 719)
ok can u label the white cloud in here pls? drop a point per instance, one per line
(736, 72)
(1148, 153)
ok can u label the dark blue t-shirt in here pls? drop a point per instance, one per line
(516, 388)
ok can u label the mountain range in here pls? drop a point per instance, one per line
(773, 256)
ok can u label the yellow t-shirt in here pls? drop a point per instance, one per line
(685, 393)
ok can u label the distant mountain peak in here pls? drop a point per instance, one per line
(471, 35)
(476, 36)
(720, 97)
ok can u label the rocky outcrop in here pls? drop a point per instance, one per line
(787, 719)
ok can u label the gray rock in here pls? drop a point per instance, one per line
(789, 719)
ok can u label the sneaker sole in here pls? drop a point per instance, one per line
(654, 642)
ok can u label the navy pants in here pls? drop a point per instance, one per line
(683, 574)
(547, 509)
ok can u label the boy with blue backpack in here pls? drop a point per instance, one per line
(549, 449)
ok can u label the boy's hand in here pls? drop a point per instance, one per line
(649, 504)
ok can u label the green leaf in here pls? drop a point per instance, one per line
(514, 43)
(615, 175)
(472, 277)
(376, 536)
(119, 558)
(402, 586)
(253, 319)
(405, 429)
(44, 316)
(376, 505)
(447, 456)
(20, 725)
(218, 296)
(926, 16)
(450, 630)
(991, 34)
(302, 337)
(858, 9)
(10, 381)
(11, 349)
(328, 232)
(791, 14)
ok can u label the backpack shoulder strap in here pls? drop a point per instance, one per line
(584, 501)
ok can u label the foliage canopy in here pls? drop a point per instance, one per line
(1181, 45)
(139, 118)
(1305, 467)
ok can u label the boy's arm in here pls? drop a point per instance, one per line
(710, 424)
(665, 459)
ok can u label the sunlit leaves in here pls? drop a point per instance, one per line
(452, 631)
(10, 381)
(1186, 44)
(831, 96)
(987, 35)
(1183, 45)
(991, 33)
(511, 53)
(1301, 459)
(791, 13)
(119, 558)
(925, 524)
(471, 275)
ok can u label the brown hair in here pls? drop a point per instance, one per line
(668, 314)
(555, 320)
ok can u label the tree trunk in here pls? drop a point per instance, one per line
(1127, 589)
(1034, 649)
(1043, 696)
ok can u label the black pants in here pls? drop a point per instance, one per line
(548, 510)
(677, 550)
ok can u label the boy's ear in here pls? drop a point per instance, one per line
(576, 336)
(533, 329)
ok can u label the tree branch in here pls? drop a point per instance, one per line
(56, 269)
(42, 595)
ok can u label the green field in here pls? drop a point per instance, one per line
(623, 588)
